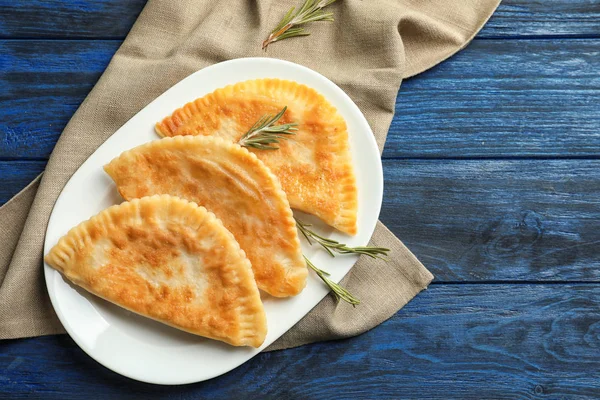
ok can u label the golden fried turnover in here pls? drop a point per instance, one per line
(233, 184)
(314, 166)
(170, 260)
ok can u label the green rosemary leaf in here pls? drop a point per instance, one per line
(286, 19)
(338, 291)
(264, 134)
(294, 32)
(333, 246)
(310, 11)
(319, 16)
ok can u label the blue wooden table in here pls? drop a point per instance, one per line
(492, 174)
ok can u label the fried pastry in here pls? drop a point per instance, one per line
(314, 166)
(230, 182)
(170, 260)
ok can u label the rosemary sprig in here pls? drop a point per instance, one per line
(263, 134)
(311, 11)
(332, 246)
(338, 291)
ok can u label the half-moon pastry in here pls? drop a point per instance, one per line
(233, 184)
(170, 260)
(314, 166)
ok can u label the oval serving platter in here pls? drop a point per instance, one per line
(151, 352)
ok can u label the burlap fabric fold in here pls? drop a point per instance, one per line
(367, 51)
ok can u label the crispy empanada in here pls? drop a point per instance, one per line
(314, 166)
(168, 259)
(232, 183)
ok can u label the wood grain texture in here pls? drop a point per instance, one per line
(522, 98)
(113, 18)
(474, 221)
(497, 220)
(68, 19)
(42, 83)
(452, 341)
(515, 18)
(498, 98)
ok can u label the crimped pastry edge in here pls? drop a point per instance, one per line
(346, 219)
(253, 325)
(187, 142)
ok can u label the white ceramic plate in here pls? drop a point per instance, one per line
(146, 350)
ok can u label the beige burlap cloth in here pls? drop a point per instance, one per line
(367, 51)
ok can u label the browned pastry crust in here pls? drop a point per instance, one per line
(314, 166)
(170, 260)
(230, 182)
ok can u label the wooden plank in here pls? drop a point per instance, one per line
(451, 341)
(497, 220)
(515, 18)
(68, 19)
(503, 99)
(41, 85)
(114, 18)
(519, 98)
(474, 221)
